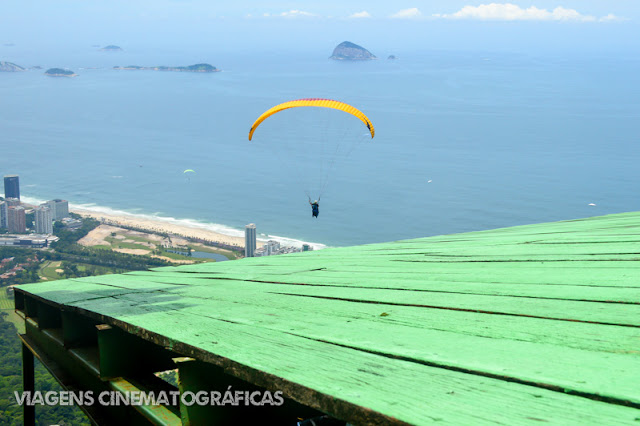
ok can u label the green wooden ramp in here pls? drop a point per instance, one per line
(529, 324)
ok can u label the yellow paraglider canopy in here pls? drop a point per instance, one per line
(313, 102)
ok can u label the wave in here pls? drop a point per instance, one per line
(191, 223)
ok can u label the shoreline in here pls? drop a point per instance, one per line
(161, 226)
(178, 226)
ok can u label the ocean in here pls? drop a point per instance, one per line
(464, 141)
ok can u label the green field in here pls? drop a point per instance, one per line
(119, 244)
(5, 302)
(48, 270)
(6, 306)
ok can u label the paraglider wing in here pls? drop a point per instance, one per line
(189, 171)
(313, 102)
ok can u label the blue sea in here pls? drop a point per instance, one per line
(464, 141)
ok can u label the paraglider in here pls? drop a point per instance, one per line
(315, 207)
(186, 172)
(327, 154)
(313, 102)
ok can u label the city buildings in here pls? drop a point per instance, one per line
(17, 219)
(28, 241)
(71, 223)
(272, 247)
(4, 212)
(43, 219)
(250, 240)
(11, 186)
(12, 202)
(59, 208)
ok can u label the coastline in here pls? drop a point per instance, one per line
(160, 226)
(182, 227)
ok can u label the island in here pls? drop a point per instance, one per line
(60, 72)
(190, 68)
(112, 48)
(10, 67)
(351, 52)
(392, 57)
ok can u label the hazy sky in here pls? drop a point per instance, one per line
(403, 25)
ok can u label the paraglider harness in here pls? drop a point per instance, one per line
(314, 207)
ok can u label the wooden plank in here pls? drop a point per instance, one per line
(360, 384)
(569, 310)
(495, 352)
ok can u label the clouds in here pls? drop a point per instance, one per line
(363, 14)
(512, 12)
(293, 13)
(482, 12)
(411, 13)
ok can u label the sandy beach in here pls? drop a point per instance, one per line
(161, 226)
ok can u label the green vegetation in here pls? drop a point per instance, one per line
(6, 303)
(11, 381)
(59, 71)
(200, 67)
(48, 270)
(177, 256)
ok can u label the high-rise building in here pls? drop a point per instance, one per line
(17, 219)
(250, 240)
(3, 214)
(11, 186)
(44, 220)
(59, 208)
(12, 202)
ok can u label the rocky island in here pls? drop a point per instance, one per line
(351, 52)
(59, 72)
(112, 48)
(10, 67)
(190, 68)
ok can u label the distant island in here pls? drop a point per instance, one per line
(112, 48)
(392, 57)
(59, 72)
(10, 67)
(351, 52)
(190, 68)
